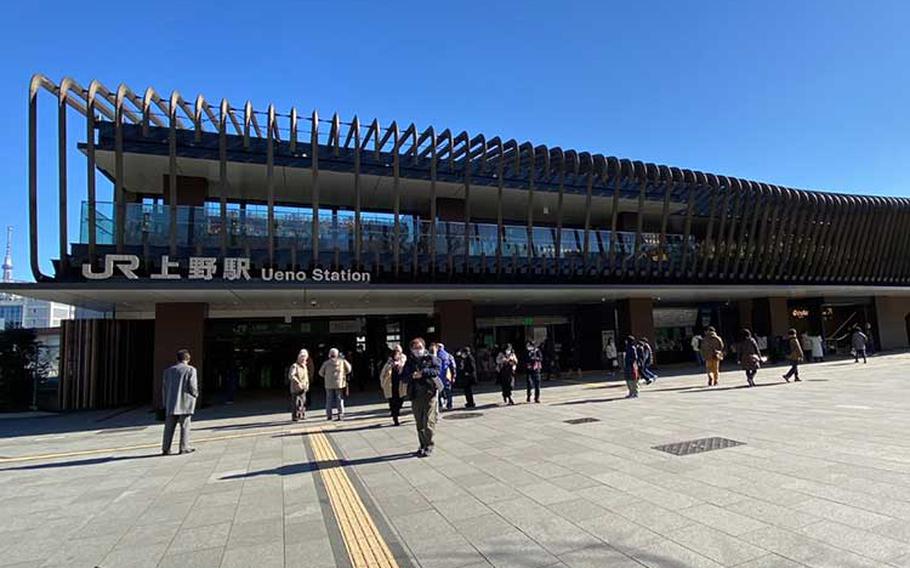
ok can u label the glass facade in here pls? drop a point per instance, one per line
(247, 227)
(11, 316)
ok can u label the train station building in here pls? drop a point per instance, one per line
(245, 234)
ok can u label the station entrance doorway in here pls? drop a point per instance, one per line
(259, 351)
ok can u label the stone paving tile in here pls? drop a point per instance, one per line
(664, 553)
(267, 555)
(598, 556)
(722, 519)
(136, 556)
(862, 542)
(815, 484)
(577, 510)
(718, 546)
(206, 558)
(789, 544)
(772, 514)
(513, 549)
(198, 538)
(620, 533)
(770, 561)
(846, 514)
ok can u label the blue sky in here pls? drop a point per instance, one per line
(809, 94)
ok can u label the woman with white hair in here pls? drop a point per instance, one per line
(335, 373)
(299, 380)
(394, 384)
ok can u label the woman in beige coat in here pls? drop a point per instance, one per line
(335, 373)
(299, 381)
(394, 384)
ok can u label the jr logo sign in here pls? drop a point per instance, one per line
(126, 263)
(207, 268)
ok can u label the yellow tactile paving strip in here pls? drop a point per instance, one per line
(365, 546)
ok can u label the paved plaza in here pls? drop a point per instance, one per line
(822, 479)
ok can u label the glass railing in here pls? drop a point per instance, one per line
(149, 224)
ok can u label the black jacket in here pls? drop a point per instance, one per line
(467, 370)
(427, 369)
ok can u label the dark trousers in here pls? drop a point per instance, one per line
(534, 382)
(794, 370)
(426, 411)
(469, 395)
(395, 407)
(750, 375)
(170, 423)
(859, 353)
(506, 383)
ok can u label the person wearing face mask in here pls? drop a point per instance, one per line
(506, 363)
(422, 371)
(394, 382)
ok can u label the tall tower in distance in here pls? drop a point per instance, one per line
(8, 259)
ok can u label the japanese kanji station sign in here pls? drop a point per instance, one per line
(207, 268)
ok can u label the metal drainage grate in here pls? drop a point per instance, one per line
(698, 446)
(581, 420)
(463, 415)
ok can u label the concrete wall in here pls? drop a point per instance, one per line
(891, 313)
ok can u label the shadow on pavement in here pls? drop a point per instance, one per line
(733, 387)
(76, 463)
(293, 469)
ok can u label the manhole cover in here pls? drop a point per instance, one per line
(463, 415)
(698, 446)
(581, 420)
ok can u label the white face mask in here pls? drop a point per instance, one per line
(420, 352)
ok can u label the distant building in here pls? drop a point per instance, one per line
(19, 311)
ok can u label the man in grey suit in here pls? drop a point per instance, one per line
(179, 391)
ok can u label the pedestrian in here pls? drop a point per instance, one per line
(299, 381)
(859, 342)
(712, 351)
(447, 373)
(749, 356)
(533, 367)
(794, 356)
(506, 363)
(610, 353)
(818, 348)
(179, 391)
(647, 359)
(805, 342)
(393, 381)
(696, 348)
(632, 366)
(466, 375)
(334, 372)
(422, 370)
